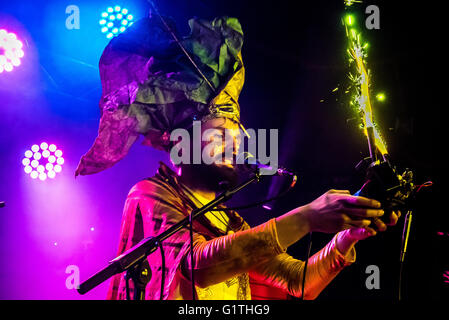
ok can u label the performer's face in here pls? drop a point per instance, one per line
(220, 142)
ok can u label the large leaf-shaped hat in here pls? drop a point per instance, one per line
(150, 87)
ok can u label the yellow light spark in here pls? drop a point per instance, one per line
(349, 3)
(349, 20)
(353, 33)
(380, 97)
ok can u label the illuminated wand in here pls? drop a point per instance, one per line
(361, 82)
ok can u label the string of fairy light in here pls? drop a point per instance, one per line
(359, 77)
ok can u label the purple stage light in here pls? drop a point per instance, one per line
(43, 161)
(10, 51)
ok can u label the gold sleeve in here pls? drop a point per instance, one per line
(285, 272)
(224, 257)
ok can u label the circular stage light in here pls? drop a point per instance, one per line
(43, 161)
(10, 51)
(115, 20)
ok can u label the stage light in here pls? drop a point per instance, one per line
(115, 20)
(10, 51)
(43, 161)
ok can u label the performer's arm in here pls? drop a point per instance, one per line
(285, 272)
(224, 257)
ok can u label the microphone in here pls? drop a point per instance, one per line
(252, 163)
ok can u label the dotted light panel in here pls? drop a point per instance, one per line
(10, 51)
(115, 20)
(43, 161)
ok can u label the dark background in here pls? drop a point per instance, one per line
(294, 55)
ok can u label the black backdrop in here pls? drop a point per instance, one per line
(295, 56)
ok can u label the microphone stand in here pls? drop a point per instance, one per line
(134, 261)
(381, 176)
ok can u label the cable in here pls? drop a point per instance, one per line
(192, 279)
(128, 296)
(400, 281)
(305, 266)
(405, 236)
(163, 270)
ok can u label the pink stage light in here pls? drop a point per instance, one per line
(10, 51)
(43, 161)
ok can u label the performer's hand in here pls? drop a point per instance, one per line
(348, 238)
(376, 224)
(334, 211)
(392, 220)
(337, 210)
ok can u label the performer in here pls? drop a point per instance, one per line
(150, 88)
